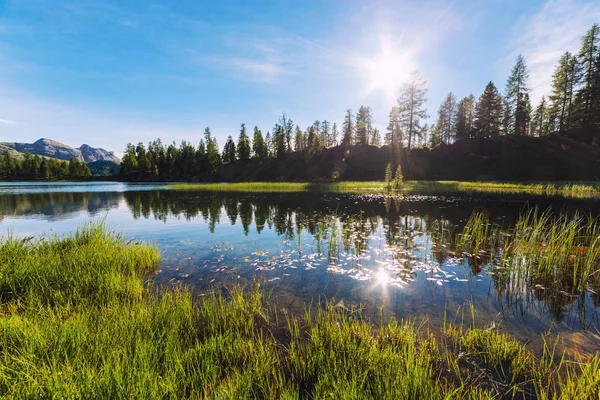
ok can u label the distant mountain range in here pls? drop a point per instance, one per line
(54, 149)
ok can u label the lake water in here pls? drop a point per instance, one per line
(384, 253)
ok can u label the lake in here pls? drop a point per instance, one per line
(385, 253)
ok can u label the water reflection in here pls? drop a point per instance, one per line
(357, 248)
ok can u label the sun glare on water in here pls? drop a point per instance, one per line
(382, 277)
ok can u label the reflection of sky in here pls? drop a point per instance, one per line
(403, 277)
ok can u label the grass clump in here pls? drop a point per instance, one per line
(92, 330)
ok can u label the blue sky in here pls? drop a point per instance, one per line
(108, 72)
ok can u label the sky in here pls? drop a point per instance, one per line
(109, 72)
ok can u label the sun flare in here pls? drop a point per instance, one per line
(388, 70)
(382, 277)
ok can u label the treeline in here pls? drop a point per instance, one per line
(572, 109)
(34, 167)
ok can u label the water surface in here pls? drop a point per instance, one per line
(391, 255)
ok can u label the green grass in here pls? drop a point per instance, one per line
(553, 253)
(76, 321)
(434, 188)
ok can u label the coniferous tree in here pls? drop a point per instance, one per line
(269, 145)
(375, 138)
(347, 129)
(229, 152)
(393, 135)
(561, 98)
(515, 95)
(334, 135)
(587, 99)
(465, 118)
(539, 119)
(243, 146)
(213, 158)
(259, 147)
(489, 112)
(299, 140)
(325, 134)
(446, 123)
(411, 106)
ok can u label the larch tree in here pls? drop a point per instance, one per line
(411, 105)
(516, 89)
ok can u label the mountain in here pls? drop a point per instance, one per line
(52, 148)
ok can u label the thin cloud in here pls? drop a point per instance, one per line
(544, 36)
(7, 121)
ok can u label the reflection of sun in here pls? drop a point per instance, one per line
(388, 70)
(382, 277)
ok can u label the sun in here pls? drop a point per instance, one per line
(386, 72)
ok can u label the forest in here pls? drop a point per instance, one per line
(34, 167)
(572, 110)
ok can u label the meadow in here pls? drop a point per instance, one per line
(427, 188)
(80, 318)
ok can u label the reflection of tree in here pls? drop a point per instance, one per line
(58, 205)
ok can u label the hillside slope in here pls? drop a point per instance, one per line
(507, 158)
(54, 149)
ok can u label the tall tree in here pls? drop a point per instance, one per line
(539, 119)
(347, 129)
(393, 135)
(334, 135)
(561, 98)
(287, 131)
(243, 146)
(489, 112)
(465, 117)
(446, 123)
(299, 140)
(325, 134)
(229, 151)
(411, 105)
(516, 89)
(259, 147)
(212, 152)
(587, 99)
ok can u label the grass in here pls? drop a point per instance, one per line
(552, 253)
(76, 321)
(434, 188)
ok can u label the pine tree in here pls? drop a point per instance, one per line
(539, 119)
(388, 176)
(411, 106)
(229, 155)
(325, 133)
(334, 135)
(362, 135)
(298, 140)
(269, 145)
(488, 112)
(446, 123)
(212, 152)
(587, 99)
(398, 178)
(259, 147)
(375, 138)
(243, 147)
(393, 136)
(465, 112)
(347, 129)
(516, 89)
(561, 99)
